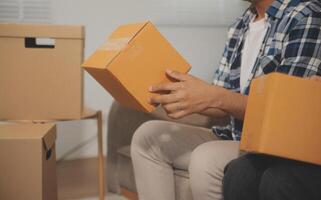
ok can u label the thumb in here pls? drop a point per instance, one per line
(176, 75)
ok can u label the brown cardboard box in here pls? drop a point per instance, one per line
(134, 58)
(28, 162)
(44, 81)
(283, 118)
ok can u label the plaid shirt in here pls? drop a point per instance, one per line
(292, 45)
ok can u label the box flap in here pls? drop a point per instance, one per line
(127, 31)
(42, 30)
(100, 59)
(50, 138)
(23, 131)
(115, 43)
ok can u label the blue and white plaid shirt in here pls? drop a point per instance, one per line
(292, 45)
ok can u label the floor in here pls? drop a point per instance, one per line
(108, 197)
(78, 180)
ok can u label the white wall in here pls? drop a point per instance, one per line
(202, 46)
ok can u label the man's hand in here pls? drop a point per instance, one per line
(186, 96)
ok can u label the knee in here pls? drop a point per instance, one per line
(273, 184)
(151, 134)
(144, 134)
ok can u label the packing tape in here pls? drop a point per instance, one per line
(114, 44)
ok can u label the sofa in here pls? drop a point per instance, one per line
(122, 123)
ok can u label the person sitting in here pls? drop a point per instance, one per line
(271, 36)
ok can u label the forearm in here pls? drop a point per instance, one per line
(231, 103)
(218, 117)
(215, 113)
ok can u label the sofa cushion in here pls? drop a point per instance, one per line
(124, 167)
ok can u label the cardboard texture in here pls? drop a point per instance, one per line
(134, 57)
(40, 72)
(28, 162)
(283, 118)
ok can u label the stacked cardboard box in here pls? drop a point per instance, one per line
(283, 118)
(40, 79)
(40, 73)
(28, 162)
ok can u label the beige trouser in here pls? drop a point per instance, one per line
(159, 147)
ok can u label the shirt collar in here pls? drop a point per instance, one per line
(278, 7)
(276, 10)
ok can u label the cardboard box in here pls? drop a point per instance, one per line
(40, 72)
(283, 118)
(134, 57)
(28, 162)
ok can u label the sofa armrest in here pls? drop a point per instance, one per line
(122, 123)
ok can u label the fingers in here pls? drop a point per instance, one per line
(171, 86)
(164, 99)
(166, 87)
(177, 75)
(178, 114)
(172, 103)
(177, 110)
(174, 107)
